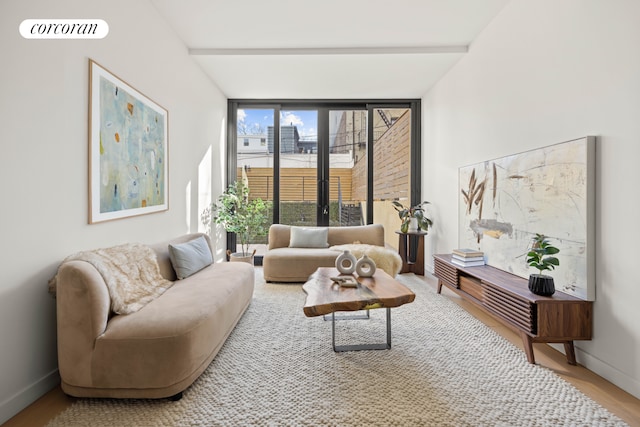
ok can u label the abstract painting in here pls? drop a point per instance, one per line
(504, 202)
(128, 167)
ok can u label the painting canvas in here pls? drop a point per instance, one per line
(128, 167)
(504, 202)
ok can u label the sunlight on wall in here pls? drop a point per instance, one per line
(187, 200)
(223, 153)
(211, 185)
(204, 186)
(218, 234)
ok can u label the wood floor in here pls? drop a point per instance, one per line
(606, 394)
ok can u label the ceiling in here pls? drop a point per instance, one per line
(329, 49)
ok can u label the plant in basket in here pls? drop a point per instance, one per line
(238, 214)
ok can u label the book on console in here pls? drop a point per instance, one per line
(469, 258)
(465, 252)
(467, 263)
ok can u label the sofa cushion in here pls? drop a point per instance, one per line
(295, 264)
(190, 257)
(309, 237)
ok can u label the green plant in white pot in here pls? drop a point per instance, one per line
(238, 214)
(540, 257)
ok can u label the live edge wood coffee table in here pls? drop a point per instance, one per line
(380, 291)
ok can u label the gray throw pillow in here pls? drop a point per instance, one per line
(190, 257)
(309, 237)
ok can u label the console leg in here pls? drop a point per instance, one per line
(528, 347)
(570, 351)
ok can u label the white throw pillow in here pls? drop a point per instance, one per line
(309, 237)
(190, 257)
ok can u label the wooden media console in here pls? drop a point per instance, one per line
(560, 318)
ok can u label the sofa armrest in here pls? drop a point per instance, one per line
(279, 235)
(83, 309)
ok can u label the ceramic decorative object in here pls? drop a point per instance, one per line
(346, 263)
(541, 284)
(365, 267)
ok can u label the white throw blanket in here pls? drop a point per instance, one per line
(130, 272)
(386, 259)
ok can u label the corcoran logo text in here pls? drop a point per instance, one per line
(64, 29)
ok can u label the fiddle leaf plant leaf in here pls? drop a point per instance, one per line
(539, 257)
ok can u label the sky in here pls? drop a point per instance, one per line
(305, 120)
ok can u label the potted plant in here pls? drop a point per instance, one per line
(539, 256)
(238, 214)
(413, 218)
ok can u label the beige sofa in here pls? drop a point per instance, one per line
(282, 263)
(157, 351)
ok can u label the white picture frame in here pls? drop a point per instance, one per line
(128, 150)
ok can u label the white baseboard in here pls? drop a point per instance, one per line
(25, 397)
(608, 372)
(429, 267)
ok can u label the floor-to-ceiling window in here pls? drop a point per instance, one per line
(335, 163)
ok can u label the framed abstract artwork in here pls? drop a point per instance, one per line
(128, 152)
(504, 202)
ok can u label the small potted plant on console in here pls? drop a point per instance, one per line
(539, 256)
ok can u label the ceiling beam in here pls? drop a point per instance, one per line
(397, 50)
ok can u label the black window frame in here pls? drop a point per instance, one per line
(414, 105)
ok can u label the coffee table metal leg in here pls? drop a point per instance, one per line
(356, 347)
(347, 317)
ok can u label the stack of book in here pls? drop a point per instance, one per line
(467, 257)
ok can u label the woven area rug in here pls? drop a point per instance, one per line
(445, 368)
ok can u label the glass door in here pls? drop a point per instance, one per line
(255, 160)
(348, 170)
(298, 167)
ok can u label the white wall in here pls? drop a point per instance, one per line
(544, 72)
(43, 163)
